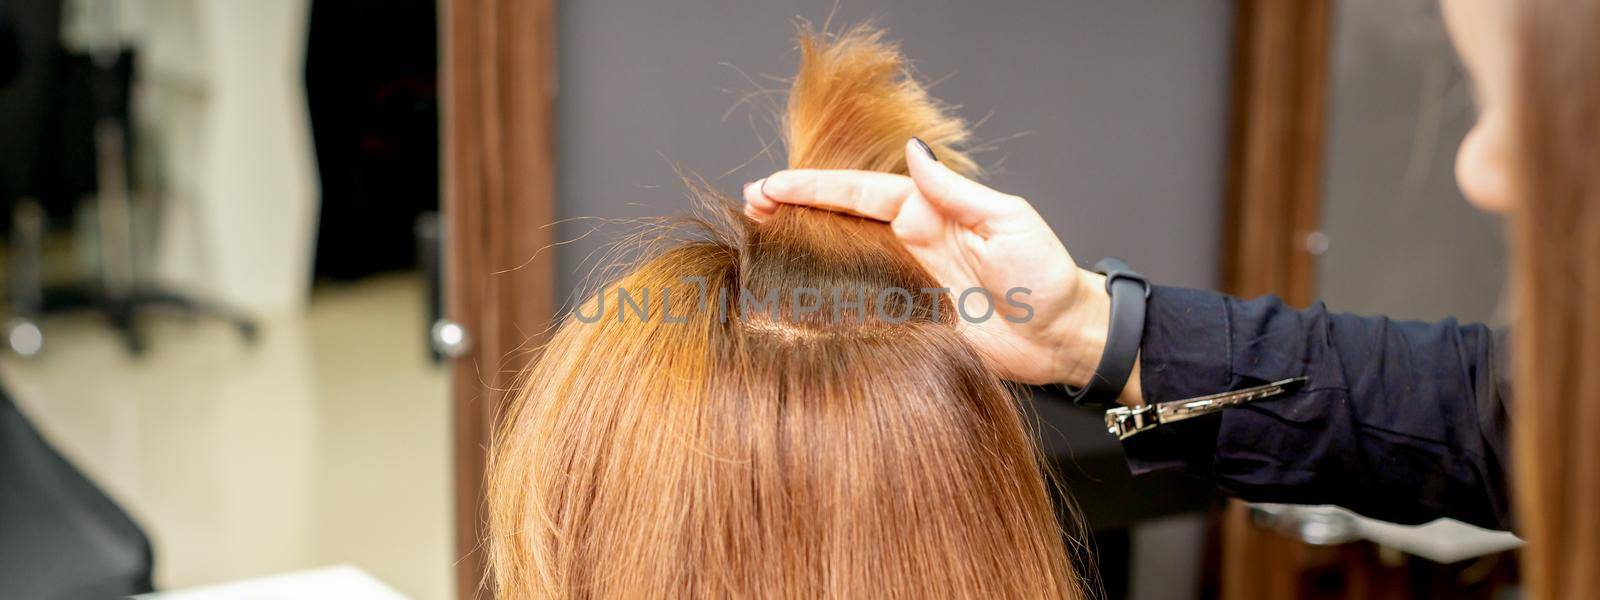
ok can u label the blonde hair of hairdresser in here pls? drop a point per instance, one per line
(1555, 254)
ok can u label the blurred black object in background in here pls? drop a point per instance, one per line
(10, 53)
(371, 71)
(63, 537)
(47, 114)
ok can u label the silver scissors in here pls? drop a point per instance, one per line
(1124, 422)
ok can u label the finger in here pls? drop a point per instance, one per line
(862, 193)
(755, 215)
(756, 205)
(960, 199)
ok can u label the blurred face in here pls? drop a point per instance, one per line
(1481, 32)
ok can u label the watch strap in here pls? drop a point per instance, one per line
(1129, 293)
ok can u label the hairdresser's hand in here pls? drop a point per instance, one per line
(970, 236)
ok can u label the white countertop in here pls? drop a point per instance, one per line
(343, 582)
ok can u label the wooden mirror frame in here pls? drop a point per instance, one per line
(498, 81)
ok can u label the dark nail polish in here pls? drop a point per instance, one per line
(924, 146)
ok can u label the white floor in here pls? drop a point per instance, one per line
(324, 443)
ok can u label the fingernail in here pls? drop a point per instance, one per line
(924, 146)
(761, 200)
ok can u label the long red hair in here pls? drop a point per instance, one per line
(707, 449)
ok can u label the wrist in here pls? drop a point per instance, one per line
(1085, 330)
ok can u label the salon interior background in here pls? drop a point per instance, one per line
(223, 247)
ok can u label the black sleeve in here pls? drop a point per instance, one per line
(1401, 421)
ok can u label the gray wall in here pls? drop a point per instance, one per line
(1402, 240)
(1121, 108)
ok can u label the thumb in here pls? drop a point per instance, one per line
(960, 199)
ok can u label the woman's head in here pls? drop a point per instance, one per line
(765, 413)
(1536, 65)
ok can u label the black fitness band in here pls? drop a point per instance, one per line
(1129, 292)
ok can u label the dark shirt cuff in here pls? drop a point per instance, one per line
(1185, 353)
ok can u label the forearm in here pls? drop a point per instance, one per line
(1394, 421)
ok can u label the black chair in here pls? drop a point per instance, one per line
(60, 536)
